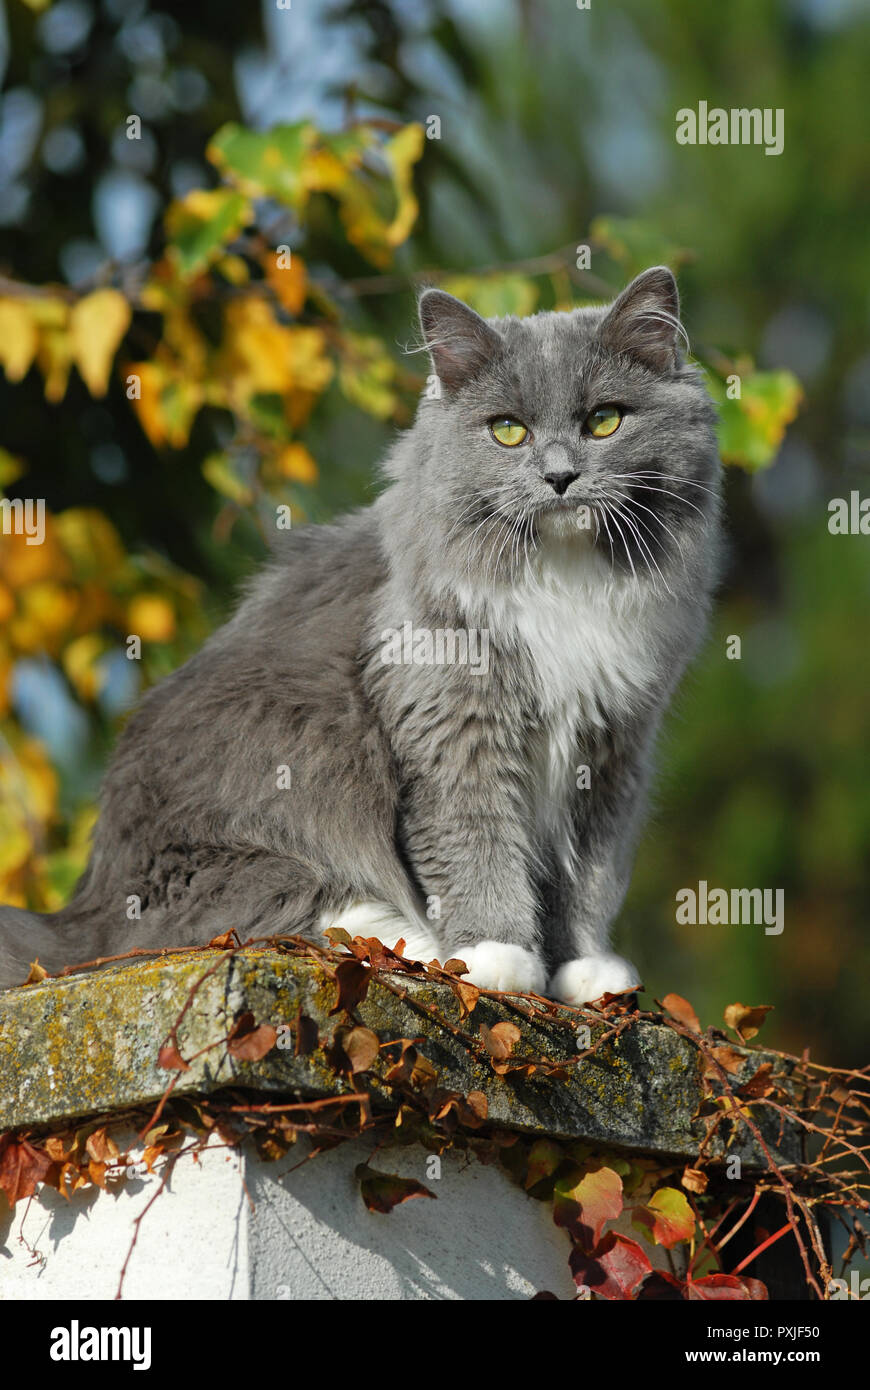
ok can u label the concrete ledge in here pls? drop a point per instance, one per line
(88, 1045)
(222, 1223)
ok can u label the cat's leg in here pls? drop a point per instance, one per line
(596, 868)
(466, 838)
(370, 917)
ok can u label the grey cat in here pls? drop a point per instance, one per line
(435, 718)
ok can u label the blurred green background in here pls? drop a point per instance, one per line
(552, 118)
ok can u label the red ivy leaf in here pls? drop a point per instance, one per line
(584, 1207)
(616, 1269)
(21, 1168)
(661, 1287)
(724, 1286)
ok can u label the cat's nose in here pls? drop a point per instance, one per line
(560, 482)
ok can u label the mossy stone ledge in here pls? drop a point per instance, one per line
(88, 1044)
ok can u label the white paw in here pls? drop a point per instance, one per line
(372, 918)
(581, 981)
(495, 965)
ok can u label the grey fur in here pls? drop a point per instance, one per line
(412, 780)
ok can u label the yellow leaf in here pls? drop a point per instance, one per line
(401, 154)
(22, 564)
(375, 232)
(97, 324)
(18, 338)
(288, 282)
(11, 468)
(234, 268)
(262, 356)
(296, 462)
(7, 603)
(46, 612)
(168, 403)
(55, 355)
(91, 542)
(151, 617)
(80, 662)
(28, 783)
(15, 844)
(6, 665)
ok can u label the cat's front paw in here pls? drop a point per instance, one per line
(583, 980)
(496, 965)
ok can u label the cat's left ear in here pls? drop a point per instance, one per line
(644, 321)
(460, 342)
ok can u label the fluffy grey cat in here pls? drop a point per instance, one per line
(435, 718)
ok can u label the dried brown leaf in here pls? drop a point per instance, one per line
(680, 1009)
(353, 979)
(746, 1019)
(361, 1047)
(249, 1041)
(500, 1040)
(694, 1180)
(170, 1059)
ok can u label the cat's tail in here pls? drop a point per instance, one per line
(30, 936)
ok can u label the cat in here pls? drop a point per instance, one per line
(434, 719)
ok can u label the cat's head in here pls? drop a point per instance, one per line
(585, 427)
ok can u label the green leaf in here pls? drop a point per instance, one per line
(267, 164)
(635, 246)
(201, 224)
(492, 296)
(545, 1157)
(666, 1219)
(752, 427)
(266, 413)
(367, 373)
(378, 206)
(218, 471)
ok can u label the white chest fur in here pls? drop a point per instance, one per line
(588, 635)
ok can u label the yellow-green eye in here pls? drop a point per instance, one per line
(603, 421)
(508, 432)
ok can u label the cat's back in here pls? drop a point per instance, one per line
(292, 643)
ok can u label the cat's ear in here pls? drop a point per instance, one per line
(644, 321)
(460, 342)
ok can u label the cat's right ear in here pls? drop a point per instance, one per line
(460, 342)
